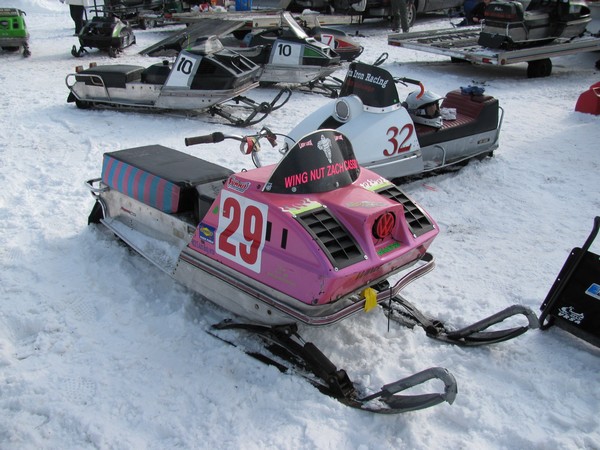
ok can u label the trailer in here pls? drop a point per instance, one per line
(460, 44)
(260, 20)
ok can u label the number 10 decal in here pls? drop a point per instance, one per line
(286, 53)
(241, 231)
(183, 70)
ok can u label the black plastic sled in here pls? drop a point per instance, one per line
(105, 32)
(573, 302)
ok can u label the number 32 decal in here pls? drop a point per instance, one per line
(241, 231)
(399, 146)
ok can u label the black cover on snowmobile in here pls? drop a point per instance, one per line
(573, 302)
(373, 85)
(114, 76)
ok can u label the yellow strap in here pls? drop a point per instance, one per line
(370, 295)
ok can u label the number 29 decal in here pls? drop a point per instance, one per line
(241, 231)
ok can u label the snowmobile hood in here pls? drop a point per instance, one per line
(314, 224)
(12, 24)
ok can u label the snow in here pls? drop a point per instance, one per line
(100, 349)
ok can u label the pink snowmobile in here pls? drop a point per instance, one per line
(309, 241)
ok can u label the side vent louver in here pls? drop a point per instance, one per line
(417, 220)
(333, 238)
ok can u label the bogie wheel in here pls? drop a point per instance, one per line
(539, 68)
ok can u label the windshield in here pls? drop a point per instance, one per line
(373, 85)
(287, 19)
(319, 162)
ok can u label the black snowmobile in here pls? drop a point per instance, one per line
(146, 13)
(105, 31)
(201, 79)
(528, 23)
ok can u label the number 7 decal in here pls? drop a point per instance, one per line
(241, 231)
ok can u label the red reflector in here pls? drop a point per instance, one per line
(384, 225)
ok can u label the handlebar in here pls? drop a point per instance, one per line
(211, 138)
(249, 144)
(406, 81)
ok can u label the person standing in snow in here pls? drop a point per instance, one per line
(398, 11)
(77, 12)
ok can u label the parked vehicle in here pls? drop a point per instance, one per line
(311, 240)
(377, 8)
(13, 31)
(525, 23)
(106, 32)
(201, 79)
(398, 136)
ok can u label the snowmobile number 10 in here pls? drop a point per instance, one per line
(202, 79)
(309, 241)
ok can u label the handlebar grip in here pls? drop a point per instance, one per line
(410, 81)
(211, 138)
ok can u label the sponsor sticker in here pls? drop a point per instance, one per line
(594, 291)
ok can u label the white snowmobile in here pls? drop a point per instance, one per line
(292, 57)
(201, 79)
(398, 138)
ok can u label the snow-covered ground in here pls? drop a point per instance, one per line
(98, 349)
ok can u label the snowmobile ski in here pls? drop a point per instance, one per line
(400, 310)
(291, 353)
(258, 111)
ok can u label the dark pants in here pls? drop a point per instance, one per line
(398, 11)
(77, 16)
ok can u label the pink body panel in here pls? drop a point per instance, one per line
(255, 232)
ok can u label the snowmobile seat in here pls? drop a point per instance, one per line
(512, 11)
(474, 114)
(161, 177)
(156, 73)
(114, 76)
